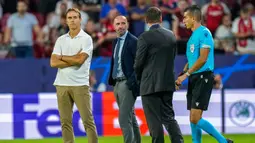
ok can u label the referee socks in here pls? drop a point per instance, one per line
(208, 127)
(196, 133)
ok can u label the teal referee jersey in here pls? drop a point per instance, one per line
(200, 38)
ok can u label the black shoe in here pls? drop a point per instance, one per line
(230, 141)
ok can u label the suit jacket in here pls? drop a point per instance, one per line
(127, 63)
(154, 62)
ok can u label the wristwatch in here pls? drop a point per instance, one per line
(187, 73)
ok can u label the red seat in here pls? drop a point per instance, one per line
(40, 18)
(4, 20)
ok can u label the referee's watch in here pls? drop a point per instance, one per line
(187, 73)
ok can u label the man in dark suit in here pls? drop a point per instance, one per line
(123, 78)
(154, 67)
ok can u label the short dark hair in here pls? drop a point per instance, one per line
(244, 10)
(22, 1)
(74, 10)
(195, 11)
(153, 15)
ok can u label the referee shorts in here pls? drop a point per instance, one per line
(200, 87)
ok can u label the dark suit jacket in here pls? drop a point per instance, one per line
(127, 63)
(154, 62)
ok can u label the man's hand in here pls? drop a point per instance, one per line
(180, 79)
(182, 73)
(75, 60)
(59, 57)
(56, 62)
(79, 52)
(177, 87)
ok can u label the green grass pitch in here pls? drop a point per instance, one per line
(238, 138)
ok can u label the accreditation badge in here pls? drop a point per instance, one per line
(192, 48)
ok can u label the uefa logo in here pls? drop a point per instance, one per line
(242, 113)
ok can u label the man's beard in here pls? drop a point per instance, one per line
(22, 11)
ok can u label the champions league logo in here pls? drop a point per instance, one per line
(242, 113)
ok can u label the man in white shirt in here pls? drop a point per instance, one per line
(72, 56)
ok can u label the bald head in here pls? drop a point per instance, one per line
(120, 25)
(120, 17)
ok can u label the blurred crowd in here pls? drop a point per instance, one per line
(29, 28)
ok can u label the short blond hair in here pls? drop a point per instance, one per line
(74, 10)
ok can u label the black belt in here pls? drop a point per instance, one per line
(118, 79)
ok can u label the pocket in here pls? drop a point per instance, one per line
(86, 89)
(80, 90)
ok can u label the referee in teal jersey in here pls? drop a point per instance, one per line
(199, 70)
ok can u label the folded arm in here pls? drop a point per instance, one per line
(242, 35)
(56, 62)
(67, 61)
(75, 60)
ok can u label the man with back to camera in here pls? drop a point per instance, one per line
(72, 56)
(122, 77)
(199, 69)
(154, 67)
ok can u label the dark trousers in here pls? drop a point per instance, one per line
(23, 51)
(158, 109)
